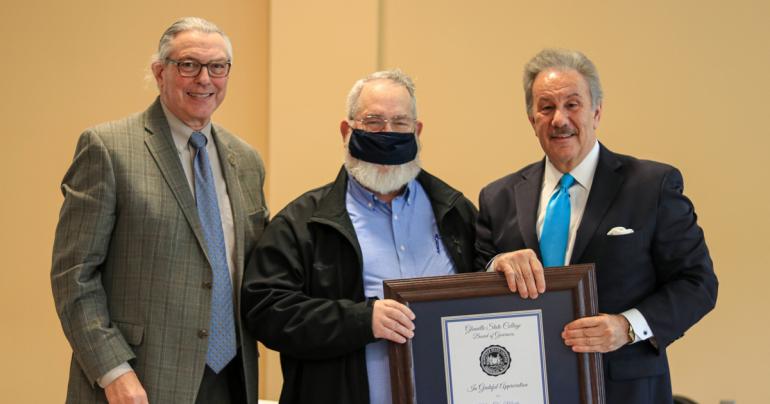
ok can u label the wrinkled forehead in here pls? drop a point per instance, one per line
(203, 46)
(560, 82)
(384, 97)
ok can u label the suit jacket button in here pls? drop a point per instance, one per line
(203, 333)
(207, 285)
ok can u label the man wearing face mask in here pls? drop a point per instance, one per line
(313, 287)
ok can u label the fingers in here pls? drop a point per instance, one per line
(509, 272)
(392, 320)
(523, 272)
(537, 271)
(602, 333)
(584, 323)
(529, 280)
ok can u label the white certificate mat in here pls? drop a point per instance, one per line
(495, 358)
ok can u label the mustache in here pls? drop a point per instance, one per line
(565, 131)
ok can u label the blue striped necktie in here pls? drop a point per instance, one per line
(553, 238)
(221, 349)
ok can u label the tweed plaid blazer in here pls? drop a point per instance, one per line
(130, 273)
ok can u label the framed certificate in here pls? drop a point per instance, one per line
(476, 342)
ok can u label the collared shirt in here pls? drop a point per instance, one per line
(398, 240)
(578, 196)
(181, 133)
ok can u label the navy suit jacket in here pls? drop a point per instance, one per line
(663, 268)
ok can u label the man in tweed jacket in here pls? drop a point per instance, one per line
(131, 273)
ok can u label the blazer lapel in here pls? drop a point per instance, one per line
(161, 147)
(229, 162)
(607, 183)
(527, 198)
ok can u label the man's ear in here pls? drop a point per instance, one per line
(597, 115)
(418, 128)
(157, 71)
(344, 129)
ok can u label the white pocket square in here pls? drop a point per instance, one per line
(619, 231)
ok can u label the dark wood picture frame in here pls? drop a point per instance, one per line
(578, 281)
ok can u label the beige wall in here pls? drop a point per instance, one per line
(685, 82)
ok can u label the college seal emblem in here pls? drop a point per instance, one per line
(495, 360)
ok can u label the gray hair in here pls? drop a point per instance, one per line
(188, 24)
(562, 59)
(395, 75)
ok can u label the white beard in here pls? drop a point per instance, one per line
(381, 178)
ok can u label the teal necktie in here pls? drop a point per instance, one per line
(553, 238)
(221, 349)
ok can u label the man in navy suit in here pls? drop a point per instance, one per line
(654, 274)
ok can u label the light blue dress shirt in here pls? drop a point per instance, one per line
(398, 240)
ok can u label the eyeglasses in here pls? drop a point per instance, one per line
(376, 123)
(192, 68)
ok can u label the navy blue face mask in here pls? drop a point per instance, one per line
(388, 148)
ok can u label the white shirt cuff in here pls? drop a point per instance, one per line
(637, 320)
(113, 374)
(490, 267)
